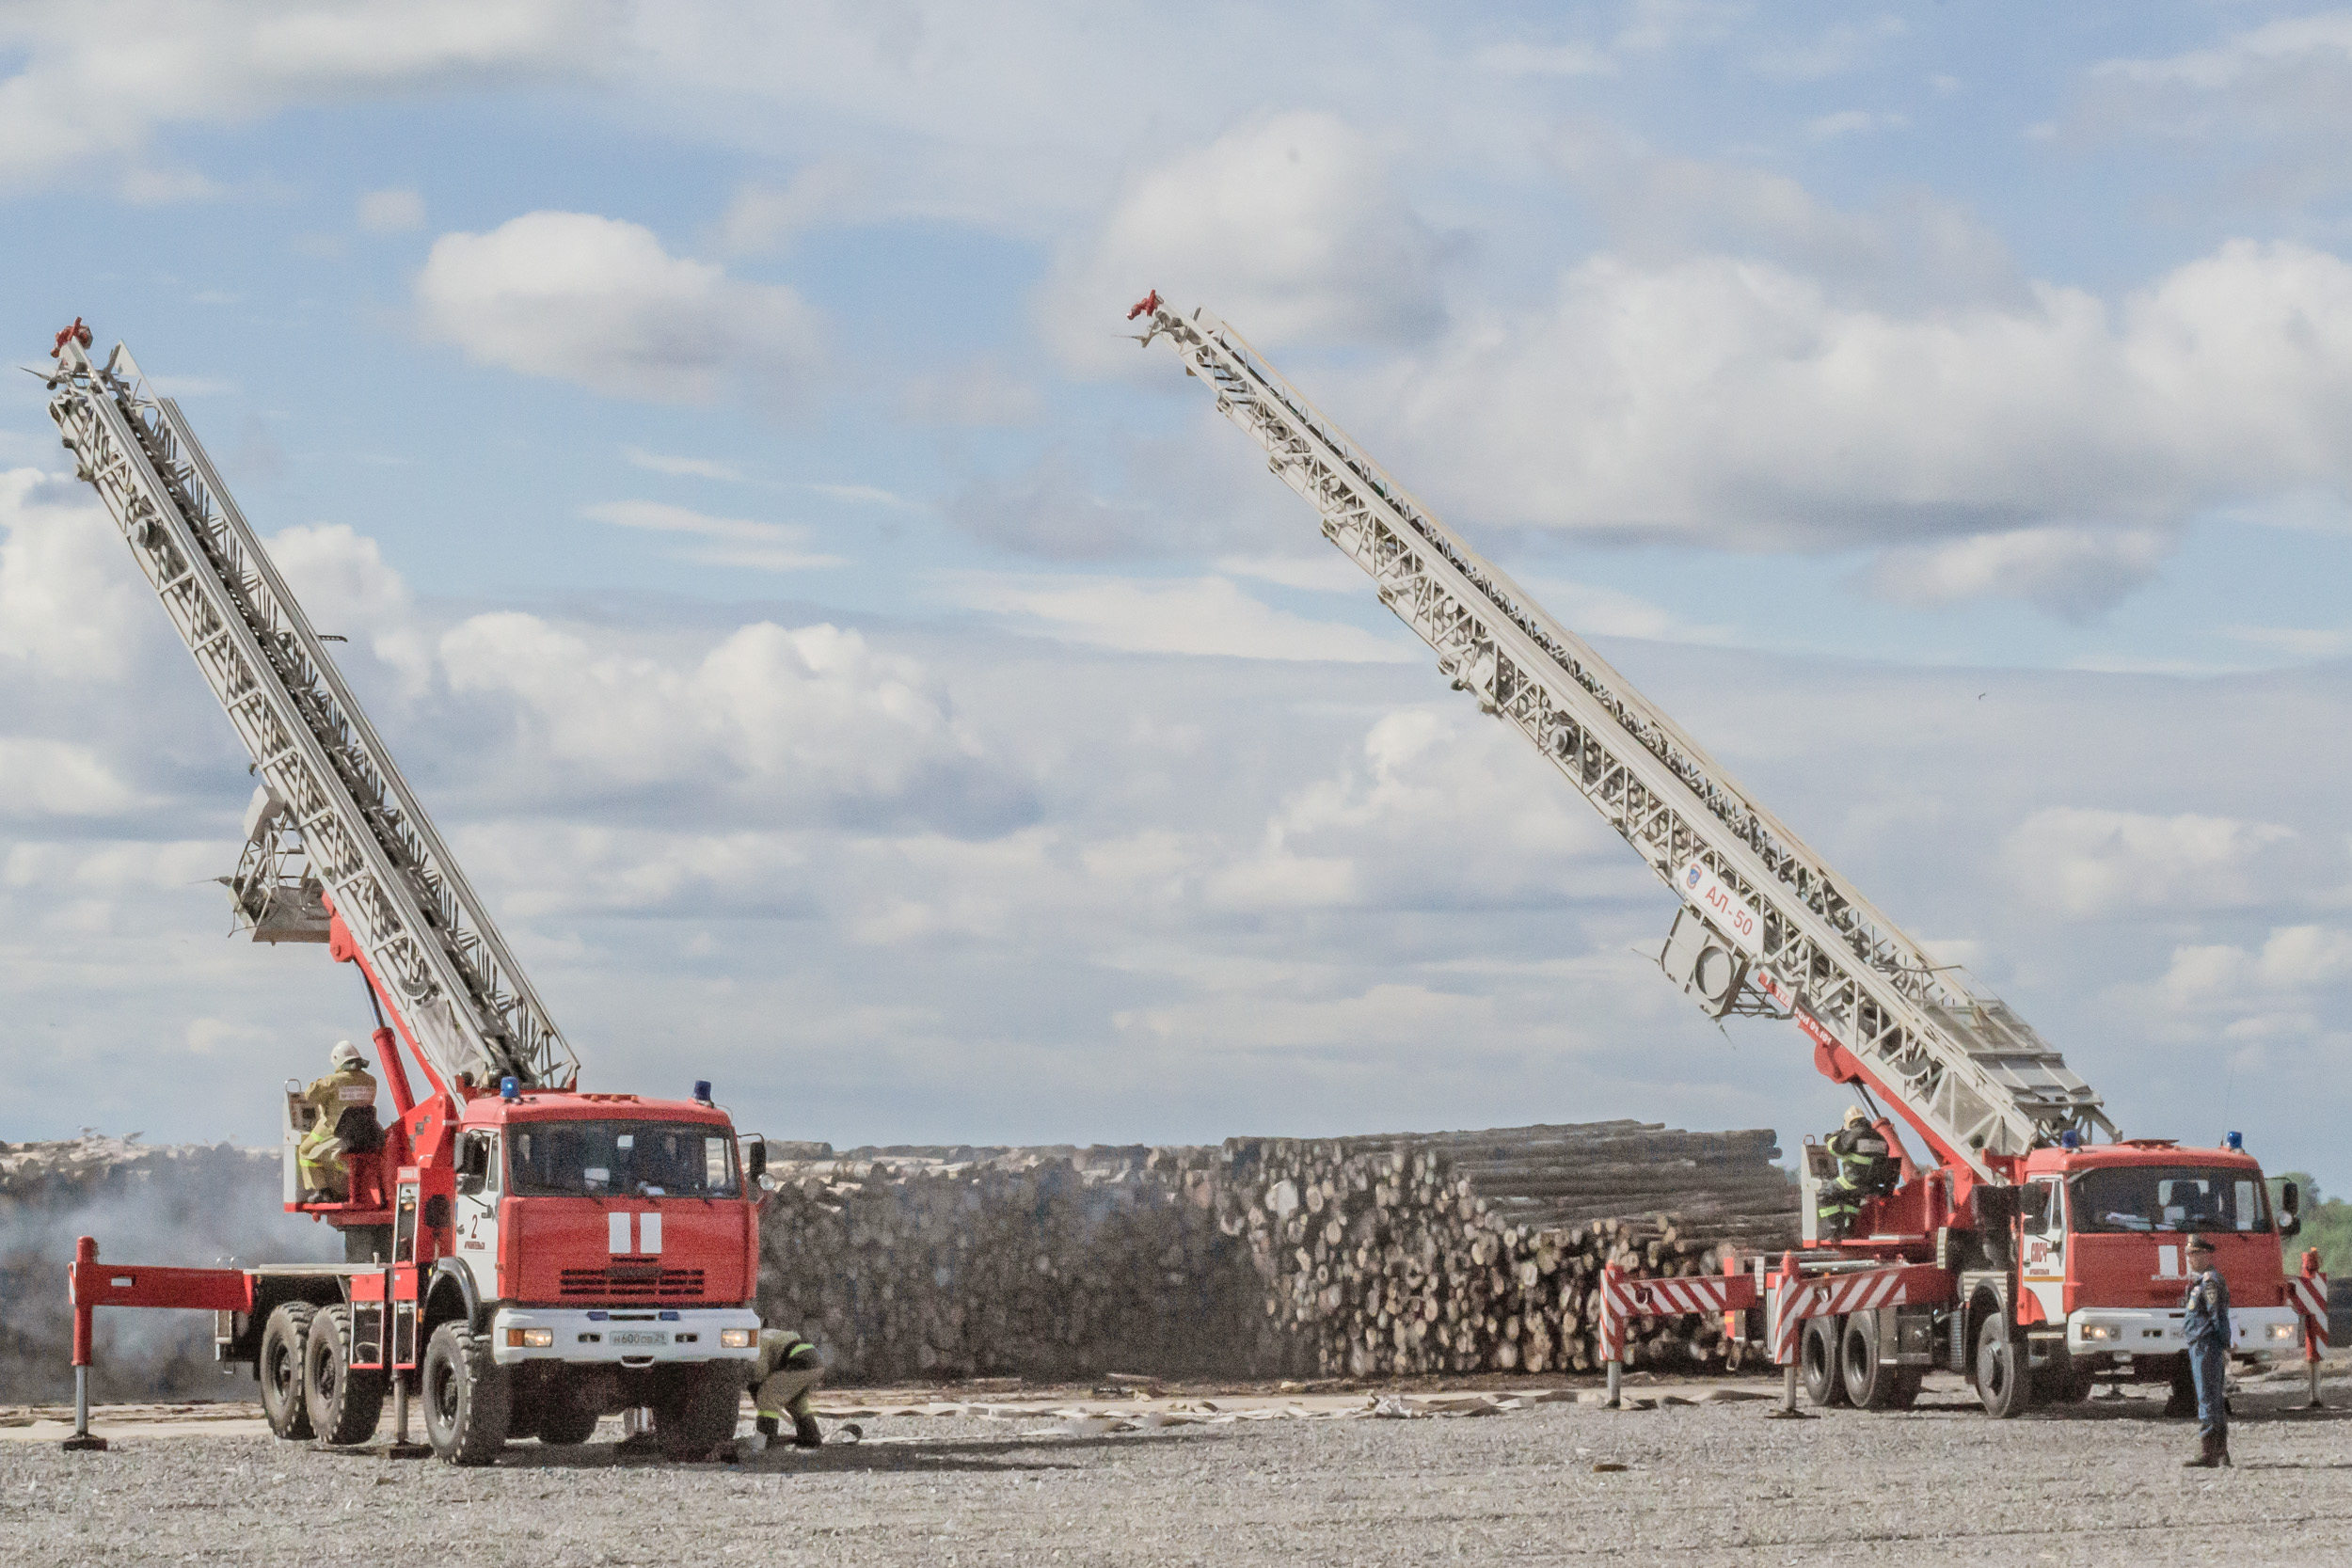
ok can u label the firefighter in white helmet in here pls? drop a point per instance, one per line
(345, 1099)
(785, 1374)
(1864, 1170)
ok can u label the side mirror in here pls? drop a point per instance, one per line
(754, 1158)
(2033, 1204)
(2290, 1200)
(473, 1163)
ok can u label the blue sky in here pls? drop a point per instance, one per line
(847, 664)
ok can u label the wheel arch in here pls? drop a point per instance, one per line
(451, 1295)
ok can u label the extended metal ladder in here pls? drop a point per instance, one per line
(368, 845)
(1767, 926)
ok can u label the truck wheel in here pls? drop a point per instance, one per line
(1871, 1383)
(343, 1405)
(2002, 1383)
(698, 1410)
(280, 1367)
(1818, 1354)
(2182, 1399)
(2059, 1380)
(562, 1419)
(467, 1396)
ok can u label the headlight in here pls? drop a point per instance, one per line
(529, 1338)
(734, 1338)
(2098, 1331)
(2281, 1331)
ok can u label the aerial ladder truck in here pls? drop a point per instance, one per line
(524, 1255)
(2037, 1250)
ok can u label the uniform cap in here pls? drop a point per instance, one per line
(347, 1054)
(2200, 1243)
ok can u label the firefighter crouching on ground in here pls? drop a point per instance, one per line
(336, 1096)
(783, 1376)
(1864, 1171)
(2207, 1330)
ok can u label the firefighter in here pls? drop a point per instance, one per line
(2207, 1330)
(1864, 1171)
(785, 1372)
(336, 1098)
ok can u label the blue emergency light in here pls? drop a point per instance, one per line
(2070, 1140)
(2235, 1141)
(701, 1091)
(510, 1087)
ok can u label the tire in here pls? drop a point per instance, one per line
(2003, 1386)
(1818, 1357)
(281, 1370)
(2059, 1381)
(698, 1409)
(468, 1397)
(2182, 1399)
(343, 1405)
(1873, 1383)
(561, 1419)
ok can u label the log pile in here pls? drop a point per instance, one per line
(1046, 1264)
(1472, 1251)
(1392, 1254)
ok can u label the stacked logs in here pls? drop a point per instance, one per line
(1356, 1256)
(1482, 1252)
(1045, 1263)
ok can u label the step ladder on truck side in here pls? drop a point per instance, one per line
(2010, 1254)
(507, 1233)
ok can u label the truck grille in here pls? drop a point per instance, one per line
(623, 1282)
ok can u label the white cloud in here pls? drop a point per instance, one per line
(1740, 404)
(395, 211)
(1854, 122)
(73, 605)
(1545, 60)
(764, 220)
(599, 302)
(735, 541)
(1291, 228)
(2096, 862)
(682, 468)
(2071, 572)
(806, 714)
(41, 777)
(1206, 616)
(976, 395)
(96, 81)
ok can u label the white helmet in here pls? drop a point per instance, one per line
(347, 1054)
(1856, 1115)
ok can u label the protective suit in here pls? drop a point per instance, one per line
(786, 1371)
(335, 1096)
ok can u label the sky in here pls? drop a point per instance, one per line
(853, 670)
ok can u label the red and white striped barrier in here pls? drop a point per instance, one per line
(2307, 1293)
(1622, 1299)
(1835, 1295)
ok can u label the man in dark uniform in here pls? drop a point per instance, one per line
(1864, 1171)
(783, 1377)
(2207, 1330)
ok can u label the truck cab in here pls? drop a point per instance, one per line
(2103, 1233)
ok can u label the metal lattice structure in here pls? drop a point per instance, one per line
(335, 818)
(1970, 1072)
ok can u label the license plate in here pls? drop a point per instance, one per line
(638, 1336)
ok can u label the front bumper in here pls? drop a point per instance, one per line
(622, 1337)
(2265, 1332)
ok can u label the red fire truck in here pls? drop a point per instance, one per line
(525, 1255)
(2036, 1251)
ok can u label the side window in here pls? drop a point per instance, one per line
(2050, 1196)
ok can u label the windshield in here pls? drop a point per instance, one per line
(621, 1159)
(2168, 1197)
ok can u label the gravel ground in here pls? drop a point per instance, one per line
(1704, 1483)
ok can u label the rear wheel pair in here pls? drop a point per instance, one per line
(1841, 1365)
(309, 1389)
